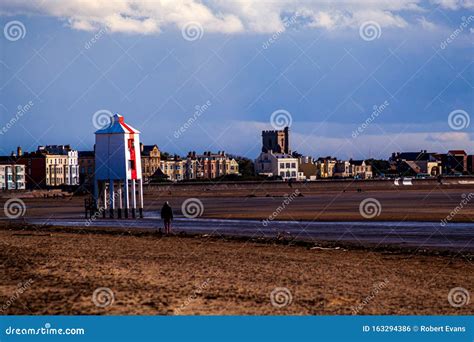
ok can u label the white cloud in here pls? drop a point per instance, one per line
(425, 24)
(147, 17)
(454, 4)
(328, 138)
(379, 145)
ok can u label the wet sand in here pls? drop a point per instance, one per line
(151, 274)
(333, 204)
(407, 234)
(54, 270)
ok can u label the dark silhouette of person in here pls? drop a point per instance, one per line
(167, 216)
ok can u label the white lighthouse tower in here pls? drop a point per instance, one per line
(118, 168)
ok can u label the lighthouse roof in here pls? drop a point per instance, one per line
(117, 125)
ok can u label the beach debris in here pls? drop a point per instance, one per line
(328, 248)
(283, 235)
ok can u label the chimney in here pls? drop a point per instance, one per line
(19, 152)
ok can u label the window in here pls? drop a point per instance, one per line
(287, 165)
(293, 165)
(293, 173)
(282, 165)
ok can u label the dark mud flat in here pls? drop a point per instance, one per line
(455, 237)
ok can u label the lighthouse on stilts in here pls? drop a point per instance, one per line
(118, 170)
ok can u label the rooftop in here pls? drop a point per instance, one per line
(117, 126)
(55, 149)
(146, 149)
(416, 156)
(86, 153)
(282, 155)
(457, 152)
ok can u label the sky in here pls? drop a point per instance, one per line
(353, 79)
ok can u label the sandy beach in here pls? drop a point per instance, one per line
(58, 270)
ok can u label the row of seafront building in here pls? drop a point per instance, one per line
(61, 165)
(157, 166)
(277, 160)
(49, 166)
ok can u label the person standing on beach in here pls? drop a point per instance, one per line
(167, 216)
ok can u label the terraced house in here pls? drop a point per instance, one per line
(12, 176)
(212, 165)
(151, 160)
(203, 166)
(86, 161)
(48, 166)
(421, 163)
(62, 165)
